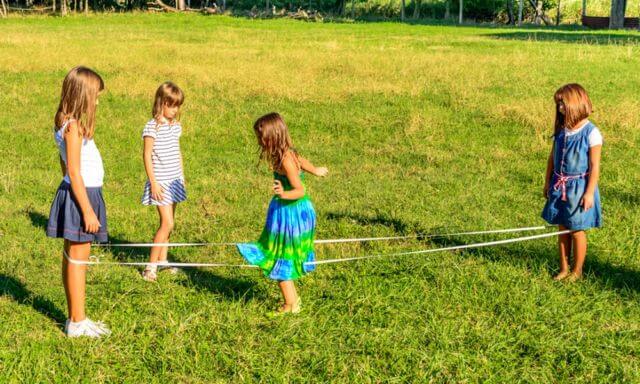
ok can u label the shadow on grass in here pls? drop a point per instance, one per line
(619, 278)
(15, 289)
(229, 288)
(570, 37)
(201, 279)
(624, 197)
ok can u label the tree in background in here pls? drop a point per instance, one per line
(618, 10)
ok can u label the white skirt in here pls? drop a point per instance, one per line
(174, 192)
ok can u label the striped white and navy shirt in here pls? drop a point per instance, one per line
(166, 149)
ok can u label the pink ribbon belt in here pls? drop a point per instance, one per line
(561, 182)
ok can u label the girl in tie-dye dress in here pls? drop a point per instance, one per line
(285, 248)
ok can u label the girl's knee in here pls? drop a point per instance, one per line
(167, 225)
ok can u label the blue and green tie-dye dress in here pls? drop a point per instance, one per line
(286, 243)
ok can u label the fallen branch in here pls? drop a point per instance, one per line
(163, 6)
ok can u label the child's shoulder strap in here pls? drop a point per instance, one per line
(588, 128)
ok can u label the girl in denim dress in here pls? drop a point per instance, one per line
(571, 183)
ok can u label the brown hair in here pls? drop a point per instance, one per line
(274, 140)
(167, 94)
(80, 90)
(577, 106)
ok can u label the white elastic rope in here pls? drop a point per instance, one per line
(331, 241)
(452, 248)
(328, 261)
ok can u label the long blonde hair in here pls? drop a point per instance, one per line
(80, 89)
(577, 106)
(167, 94)
(274, 140)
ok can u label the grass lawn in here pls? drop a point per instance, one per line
(425, 129)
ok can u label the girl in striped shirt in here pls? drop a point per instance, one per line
(163, 163)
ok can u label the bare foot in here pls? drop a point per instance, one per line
(574, 277)
(561, 276)
(289, 308)
(285, 308)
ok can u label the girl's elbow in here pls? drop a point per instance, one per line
(74, 173)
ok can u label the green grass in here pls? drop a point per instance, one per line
(424, 129)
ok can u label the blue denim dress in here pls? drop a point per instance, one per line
(569, 182)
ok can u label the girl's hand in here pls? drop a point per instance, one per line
(545, 191)
(321, 171)
(91, 222)
(278, 190)
(587, 201)
(157, 192)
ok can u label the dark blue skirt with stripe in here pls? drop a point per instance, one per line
(65, 218)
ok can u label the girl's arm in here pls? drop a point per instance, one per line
(182, 167)
(74, 144)
(594, 175)
(291, 170)
(308, 167)
(156, 189)
(549, 172)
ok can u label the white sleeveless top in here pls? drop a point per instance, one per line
(91, 168)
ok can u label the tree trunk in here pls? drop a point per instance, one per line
(520, 8)
(512, 19)
(181, 5)
(402, 10)
(86, 7)
(460, 13)
(3, 9)
(447, 10)
(584, 7)
(53, 5)
(558, 14)
(618, 10)
(537, 6)
(416, 10)
(353, 8)
(63, 7)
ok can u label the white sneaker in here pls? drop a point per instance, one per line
(86, 328)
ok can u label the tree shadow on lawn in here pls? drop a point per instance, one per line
(619, 278)
(227, 287)
(569, 37)
(16, 290)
